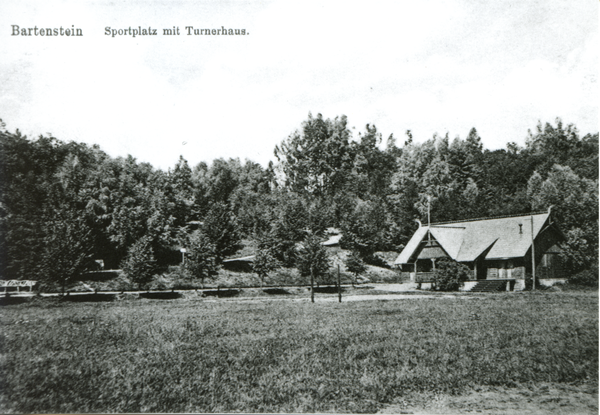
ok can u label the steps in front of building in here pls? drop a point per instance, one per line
(488, 286)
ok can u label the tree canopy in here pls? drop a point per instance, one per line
(53, 191)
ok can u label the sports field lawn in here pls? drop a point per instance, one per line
(194, 355)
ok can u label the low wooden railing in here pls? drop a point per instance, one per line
(424, 277)
(429, 276)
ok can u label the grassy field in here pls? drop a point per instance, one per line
(194, 355)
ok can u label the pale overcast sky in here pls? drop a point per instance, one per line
(428, 66)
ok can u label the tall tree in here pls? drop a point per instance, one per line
(575, 206)
(316, 160)
(221, 228)
(139, 264)
(67, 249)
(264, 263)
(251, 200)
(372, 167)
(561, 144)
(222, 178)
(366, 229)
(179, 190)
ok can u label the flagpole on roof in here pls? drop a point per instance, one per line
(429, 218)
(429, 210)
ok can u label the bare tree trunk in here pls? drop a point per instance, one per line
(312, 285)
(339, 284)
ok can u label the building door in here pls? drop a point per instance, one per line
(480, 270)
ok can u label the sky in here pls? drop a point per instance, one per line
(431, 66)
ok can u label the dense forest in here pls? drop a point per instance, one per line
(64, 205)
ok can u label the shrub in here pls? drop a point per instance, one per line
(355, 264)
(586, 278)
(449, 275)
(529, 282)
(201, 258)
(376, 261)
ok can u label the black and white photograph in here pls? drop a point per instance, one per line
(285, 206)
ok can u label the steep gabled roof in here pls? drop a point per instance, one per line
(411, 246)
(465, 241)
(447, 237)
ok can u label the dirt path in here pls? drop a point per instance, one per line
(373, 297)
(333, 298)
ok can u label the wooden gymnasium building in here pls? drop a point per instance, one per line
(493, 248)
